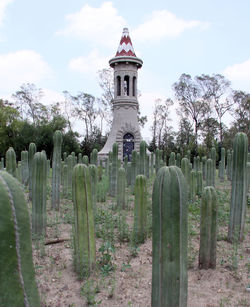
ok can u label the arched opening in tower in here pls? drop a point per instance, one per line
(128, 145)
(134, 86)
(126, 85)
(118, 84)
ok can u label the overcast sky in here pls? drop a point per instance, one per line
(60, 44)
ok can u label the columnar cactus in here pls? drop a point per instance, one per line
(208, 229)
(79, 158)
(140, 210)
(65, 180)
(199, 183)
(222, 165)
(93, 157)
(39, 193)
(172, 159)
(56, 170)
(121, 188)
(189, 155)
(143, 161)
(125, 163)
(64, 156)
(25, 167)
(114, 171)
(133, 168)
(193, 185)
(128, 173)
(239, 188)
(17, 277)
(32, 151)
(11, 162)
(169, 264)
(210, 173)
(204, 168)
(185, 169)
(85, 160)
(157, 160)
(70, 164)
(229, 165)
(213, 157)
(2, 164)
(83, 232)
(152, 164)
(93, 179)
(178, 159)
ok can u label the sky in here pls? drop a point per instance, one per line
(60, 45)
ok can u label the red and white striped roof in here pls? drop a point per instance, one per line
(125, 47)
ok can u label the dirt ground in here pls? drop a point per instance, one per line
(128, 282)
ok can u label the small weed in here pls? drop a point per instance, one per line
(105, 262)
(89, 290)
(125, 266)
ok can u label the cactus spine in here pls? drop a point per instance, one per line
(84, 237)
(11, 162)
(56, 170)
(121, 187)
(208, 229)
(169, 266)
(114, 171)
(17, 278)
(239, 188)
(39, 193)
(140, 210)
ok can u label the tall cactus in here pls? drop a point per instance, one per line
(204, 168)
(2, 164)
(70, 166)
(157, 160)
(83, 233)
(65, 180)
(169, 266)
(39, 193)
(213, 157)
(199, 183)
(208, 229)
(185, 169)
(133, 168)
(114, 171)
(25, 167)
(93, 179)
(32, 151)
(79, 158)
(11, 162)
(178, 159)
(140, 210)
(128, 174)
(17, 277)
(93, 157)
(85, 160)
(222, 165)
(210, 173)
(56, 170)
(152, 164)
(143, 161)
(172, 159)
(193, 185)
(229, 165)
(121, 188)
(239, 188)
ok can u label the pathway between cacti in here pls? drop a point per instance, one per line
(129, 283)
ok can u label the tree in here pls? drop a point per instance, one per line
(215, 90)
(185, 138)
(241, 112)
(191, 101)
(209, 132)
(161, 120)
(27, 100)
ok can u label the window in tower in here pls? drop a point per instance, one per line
(118, 82)
(134, 86)
(126, 85)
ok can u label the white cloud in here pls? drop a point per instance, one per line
(3, 5)
(24, 66)
(51, 97)
(100, 25)
(164, 24)
(239, 74)
(89, 64)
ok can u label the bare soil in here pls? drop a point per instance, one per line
(129, 283)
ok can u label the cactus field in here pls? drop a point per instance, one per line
(123, 235)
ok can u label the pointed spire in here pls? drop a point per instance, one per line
(125, 47)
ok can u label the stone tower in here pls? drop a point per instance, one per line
(125, 130)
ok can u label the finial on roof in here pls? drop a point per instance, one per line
(125, 47)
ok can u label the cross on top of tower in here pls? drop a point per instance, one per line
(125, 47)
